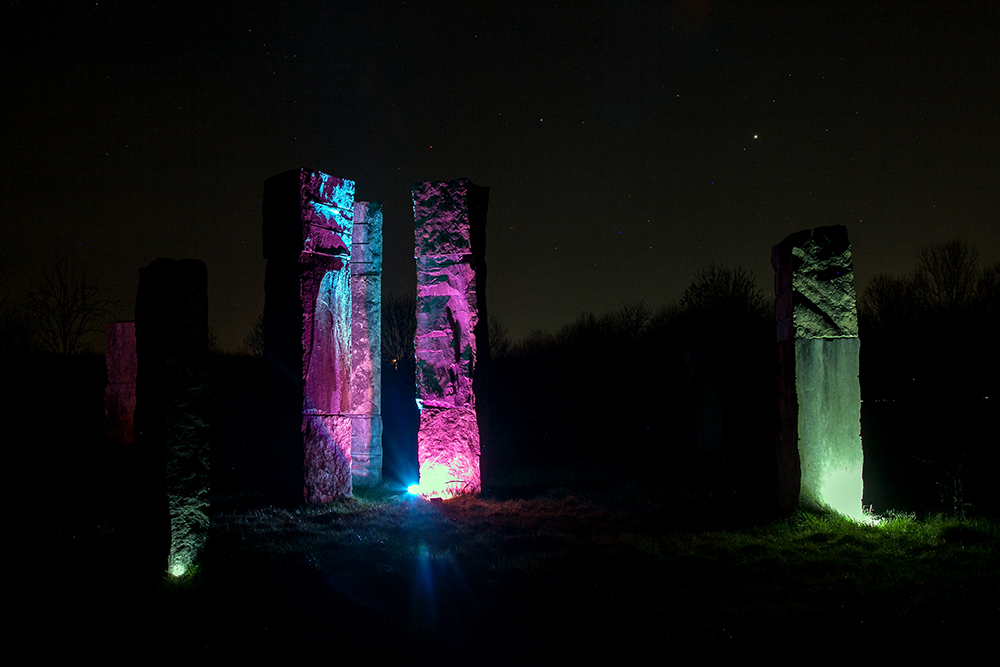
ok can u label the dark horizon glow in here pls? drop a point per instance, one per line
(626, 145)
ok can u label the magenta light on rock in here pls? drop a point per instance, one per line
(366, 344)
(449, 223)
(119, 394)
(308, 227)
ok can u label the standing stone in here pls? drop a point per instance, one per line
(308, 217)
(704, 403)
(171, 344)
(819, 441)
(366, 344)
(119, 394)
(450, 230)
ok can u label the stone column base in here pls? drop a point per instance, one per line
(448, 452)
(326, 443)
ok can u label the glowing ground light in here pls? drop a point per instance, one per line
(443, 481)
(178, 566)
(842, 491)
(434, 481)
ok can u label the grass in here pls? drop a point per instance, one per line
(582, 565)
(609, 568)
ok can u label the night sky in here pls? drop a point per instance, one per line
(626, 144)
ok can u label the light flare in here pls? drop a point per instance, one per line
(842, 491)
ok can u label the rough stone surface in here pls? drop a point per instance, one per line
(819, 389)
(445, 343)
(443, 214)
(814, 285)
(450, 220)
(448, 451)
(306, 210)
(829, 423)
(326, 336)
(366, 449)
(366, 344)
(171, 342)
(308, 228)
(119, 395)
(327, 464)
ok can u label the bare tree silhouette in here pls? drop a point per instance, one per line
(988, 290)
(399, 326)
(64, 307)
(15, 327)
(253, 343)
(721, 294)
(6, 273)
(500, 343)
(947, 281)
(889, 301)
(947, 275)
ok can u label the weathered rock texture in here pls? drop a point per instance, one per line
(450, 230)
(814, 285)
(119, 394)
(366, 344)
(308, 219)
(819, 441)
(172, 401)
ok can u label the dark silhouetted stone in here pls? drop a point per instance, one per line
(172, 401)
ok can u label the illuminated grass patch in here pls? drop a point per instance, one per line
(561, 566)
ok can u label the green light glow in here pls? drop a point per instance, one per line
(841, 491)
(177, 569)
(831, 456)
(183, 559)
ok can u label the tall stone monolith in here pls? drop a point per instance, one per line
(819, 441)
(366, 344)
(308, 219)
(172, 400)
(450, 230)
(119, 394)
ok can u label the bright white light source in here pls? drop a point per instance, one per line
(842, 491)
(413, 489)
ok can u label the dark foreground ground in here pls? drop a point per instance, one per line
(552, 572)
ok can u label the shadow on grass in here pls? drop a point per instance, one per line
(575, 567)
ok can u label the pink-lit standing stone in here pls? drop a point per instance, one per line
(119, 394)
(366, 344)
(308, 219)
(450, 220)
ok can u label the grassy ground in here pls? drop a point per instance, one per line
(555, 574)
